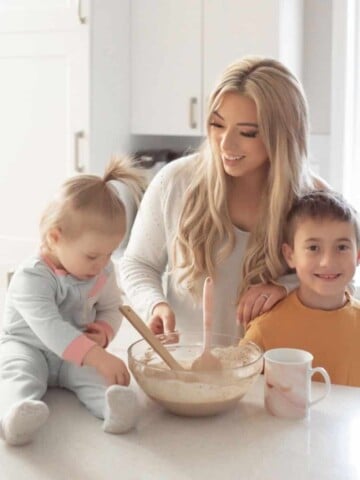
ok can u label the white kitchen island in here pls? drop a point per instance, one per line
(245, 443)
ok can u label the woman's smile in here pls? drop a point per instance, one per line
(234, 133)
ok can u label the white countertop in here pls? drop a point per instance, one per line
(245, 443)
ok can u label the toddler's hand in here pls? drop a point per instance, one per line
(162, 319)
(112, 368)
(257, 300)
(95, 333)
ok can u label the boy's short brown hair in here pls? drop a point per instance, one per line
(320, 205)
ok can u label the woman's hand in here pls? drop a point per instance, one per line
(257, 300)
(95, 333)
(162, 319)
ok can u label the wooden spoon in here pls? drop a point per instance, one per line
(152, 340)
(207, 361)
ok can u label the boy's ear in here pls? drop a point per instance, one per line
(358, 258)
(288, 253)
(53, 236)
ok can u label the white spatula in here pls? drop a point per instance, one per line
(207, 361)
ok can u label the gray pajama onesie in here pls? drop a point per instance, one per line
(43, 342)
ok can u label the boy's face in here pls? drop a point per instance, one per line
(325, 257)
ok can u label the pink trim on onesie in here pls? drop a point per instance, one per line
(77, 349)
(100, 282)
(58, 271)
(107, 328)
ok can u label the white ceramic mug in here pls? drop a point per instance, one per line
(288, 373)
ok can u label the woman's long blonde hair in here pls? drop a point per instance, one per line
(91, 202)
(205, 233)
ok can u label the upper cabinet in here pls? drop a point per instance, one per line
(181, 47)
(166, 56)
(44, 111)
(62, 102)
(39, 16)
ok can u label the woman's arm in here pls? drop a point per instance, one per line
(146, 256)
(260, 298)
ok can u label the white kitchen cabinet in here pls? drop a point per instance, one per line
(61, 109)
(41, 15)
(43, 109)
(165, 67)
(181, 47)
(234, 28)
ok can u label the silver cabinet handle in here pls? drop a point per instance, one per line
(81, 17)
(9, 275)
(77, 165)
(193, 103)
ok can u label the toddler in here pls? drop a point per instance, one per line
(61, 310)
(322, 245)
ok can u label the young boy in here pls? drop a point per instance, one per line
(322, 245)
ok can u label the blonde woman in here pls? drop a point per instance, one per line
(62, 310)
(221, 211)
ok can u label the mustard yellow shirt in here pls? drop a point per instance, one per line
(332, 336)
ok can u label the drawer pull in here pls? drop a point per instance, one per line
(193, 104)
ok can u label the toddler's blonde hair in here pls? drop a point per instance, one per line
(91, 203)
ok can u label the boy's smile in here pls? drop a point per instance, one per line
(325, 257)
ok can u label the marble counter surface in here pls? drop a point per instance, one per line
(245, 443)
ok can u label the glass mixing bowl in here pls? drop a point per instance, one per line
(194, 393)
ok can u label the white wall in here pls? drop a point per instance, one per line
(317, 63)
(317, 80)
(115, 43)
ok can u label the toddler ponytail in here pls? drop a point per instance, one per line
(122, 169)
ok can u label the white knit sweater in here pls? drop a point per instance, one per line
(145, 266)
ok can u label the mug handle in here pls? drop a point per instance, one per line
(326, 377)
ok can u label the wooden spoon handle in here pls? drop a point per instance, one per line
(147, 334)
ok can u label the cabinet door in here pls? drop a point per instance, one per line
(240, 29)
(166, 67)
(41, 15)
(43, 100)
